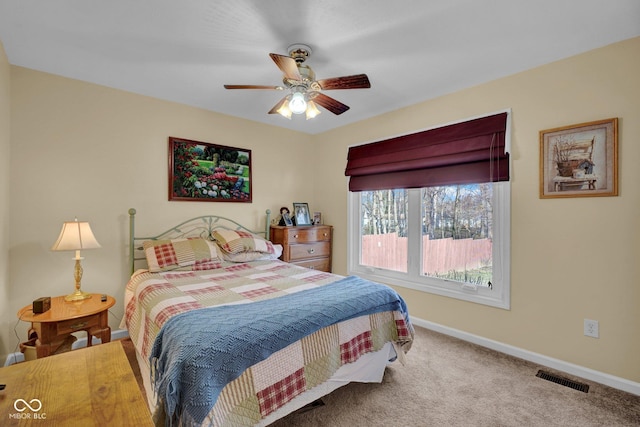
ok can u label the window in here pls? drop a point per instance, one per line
(431, 210)
(449, 240)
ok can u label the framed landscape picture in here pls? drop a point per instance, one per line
(200, 171)
(579, 160)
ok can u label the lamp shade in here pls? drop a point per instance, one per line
(75, 235)
(284, 110)
(312, 110)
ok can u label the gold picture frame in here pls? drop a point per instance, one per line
(579, 160)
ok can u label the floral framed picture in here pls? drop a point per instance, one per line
(200, 171)
(579, 160)
(301, 214)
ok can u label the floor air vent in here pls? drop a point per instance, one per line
(563, 381)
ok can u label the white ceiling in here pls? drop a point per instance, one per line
(412, 50)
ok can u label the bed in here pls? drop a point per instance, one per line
(226, 334)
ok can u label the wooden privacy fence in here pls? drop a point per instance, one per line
(389, 251)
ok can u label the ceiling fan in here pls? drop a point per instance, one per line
(304, 90)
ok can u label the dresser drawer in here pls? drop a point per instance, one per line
(309, 250)
(79, 324)
(304, 235)
(320, 264)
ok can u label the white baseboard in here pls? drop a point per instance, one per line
(115, 335)
(81, 342)
(560, 365)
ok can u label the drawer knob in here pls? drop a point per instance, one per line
(295, 236)
(311, 251)
(325, 234)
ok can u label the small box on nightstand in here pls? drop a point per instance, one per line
(41, 305)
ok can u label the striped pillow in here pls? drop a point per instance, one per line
(237, 241)
(247, 256)
(165, 255)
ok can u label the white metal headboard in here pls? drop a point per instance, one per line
(201, 226)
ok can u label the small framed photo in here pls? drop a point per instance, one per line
(317, 218)
(579, 160)
(285, 217)
(301, 213)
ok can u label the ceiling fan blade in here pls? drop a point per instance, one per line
(275, 108)
(252, 87)
(358, 81)
(288, 66)
(335, 106)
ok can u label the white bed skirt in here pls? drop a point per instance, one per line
(369, 368)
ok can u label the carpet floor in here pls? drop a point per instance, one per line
(449, 382)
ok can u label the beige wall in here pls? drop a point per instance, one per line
(4, 192)
(571, 258)
(88, 151)
(79, 149)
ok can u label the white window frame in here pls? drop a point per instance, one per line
(498, 296)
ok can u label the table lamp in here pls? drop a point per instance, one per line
(74, 236)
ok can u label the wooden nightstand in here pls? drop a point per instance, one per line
(306, 246)
(52, 327)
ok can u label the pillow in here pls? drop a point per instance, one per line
(253, 255)
(237, 241)
(165, 255)
(209, 264)
(246, 256)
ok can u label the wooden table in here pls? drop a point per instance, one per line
(63, 318)
(88, 387)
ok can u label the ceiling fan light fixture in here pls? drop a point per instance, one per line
(284, 109)
(312, 110)
(300, 81)
(297, 104)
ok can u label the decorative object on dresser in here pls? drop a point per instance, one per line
(91, 386)
(317, 218)
(50, 329)
(285, 217)
(301, 214)
(306, 246)
(75, 236)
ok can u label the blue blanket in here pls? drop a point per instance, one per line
(197, 353)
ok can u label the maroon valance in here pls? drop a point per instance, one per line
(462, 153)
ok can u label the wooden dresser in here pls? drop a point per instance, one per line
(306, 246)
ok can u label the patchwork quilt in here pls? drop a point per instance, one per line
(152, 299)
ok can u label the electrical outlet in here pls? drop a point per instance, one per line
(591, 328)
